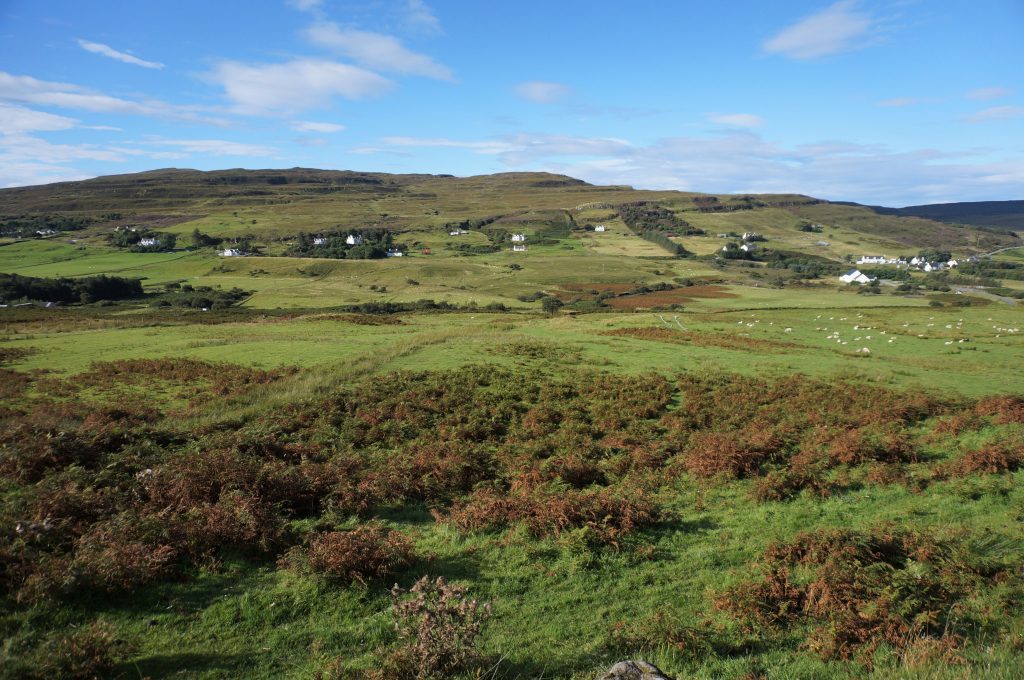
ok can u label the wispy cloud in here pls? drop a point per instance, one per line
(107, 51)
(305, 5)
(986, 93)
(18, 119)
(376, 51)
(996, 113)
(312, 126)
(743, 162)
(293, 86)
(215, 147)
(420, 17)
(542, 92)
(29, 90)
(841, 27)
(899, 102)
(743, 120)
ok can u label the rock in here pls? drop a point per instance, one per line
(634, 670)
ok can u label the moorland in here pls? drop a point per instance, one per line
(233, 442)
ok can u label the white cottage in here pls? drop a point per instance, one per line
(230, 252)
(599, 228)
(518, 238)
(395, 252)
(354, 239)
(855, 276)
(872, 259)
(148, 242)
(519, 248)
(319, 240)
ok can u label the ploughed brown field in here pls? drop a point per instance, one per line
(664, 298)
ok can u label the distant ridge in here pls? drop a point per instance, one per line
(1002, 215)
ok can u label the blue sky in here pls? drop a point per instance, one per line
(890, 102)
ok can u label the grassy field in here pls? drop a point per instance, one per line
(713, 465)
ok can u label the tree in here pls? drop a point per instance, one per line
(551, 305)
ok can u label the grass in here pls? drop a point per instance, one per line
(564, 607)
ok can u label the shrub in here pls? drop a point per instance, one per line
(608, 514)
(370, 552)
(861, 589)
(1004, 456)
(86, 655)
(438, 627)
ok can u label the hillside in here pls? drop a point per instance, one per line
(1005, 215)
(620, 441)
(279, 203)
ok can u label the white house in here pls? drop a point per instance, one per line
(952, 263)
(354, 239)
(750, 235)
(931, 266)
(915, 261)
(519, 248)
(146, 242)
(230, 252)
(855, 276)
(599, 227)
(872, 259)
(518, 238)
(395, 252)
(748, 247)
(319, 240)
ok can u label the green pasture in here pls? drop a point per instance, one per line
(960, 351)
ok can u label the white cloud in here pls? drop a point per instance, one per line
(483, 147)
(996, 113)
(744, 120)
(420, 17)
(986, 93)
(838, 28)
(295, 85)
(18, 119)
(305, 5)
(743, 162)
(311, 126)
(29, 90)
(216, 147)
(375, 50)
(898, 102)
(107, 51)
(521, 148)
(542, 92)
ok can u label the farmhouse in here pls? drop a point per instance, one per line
(319, 240)
(395, 252)
(518, 238)
(872, 259)
(748, 247)
(855, 276)
(354, 240)
(458, 232)
(147, 242)
(599, 228)
(519, 248)
(751, 236)
(231, 252)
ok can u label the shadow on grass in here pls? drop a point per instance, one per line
(405, 514)
(167, 665)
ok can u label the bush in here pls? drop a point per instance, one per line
(863, 589)
(87, 655)
(437, 629)
(370, 552)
